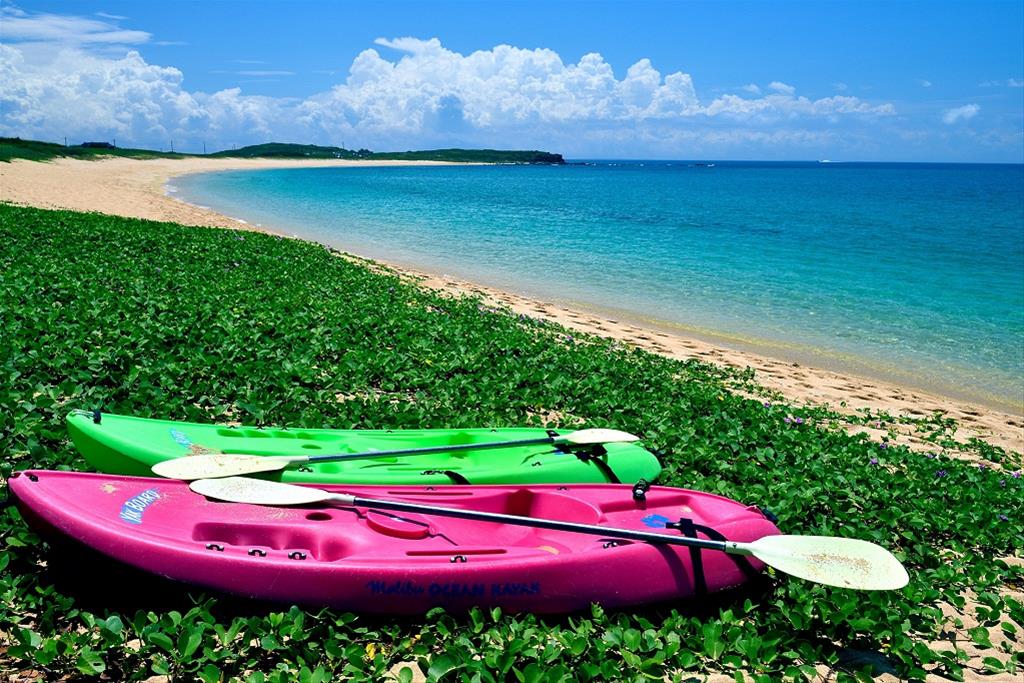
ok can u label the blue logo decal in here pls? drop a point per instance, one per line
(180, 437)
(655, 521)
(133, 508)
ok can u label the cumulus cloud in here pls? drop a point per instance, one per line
(420, 94)
(780, 87)
(964, 113)
(80, 95)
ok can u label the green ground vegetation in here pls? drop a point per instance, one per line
(169, 321)
(34, 150)
(15, 148)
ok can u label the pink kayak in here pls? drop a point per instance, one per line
(368, 560)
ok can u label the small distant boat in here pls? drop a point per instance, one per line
(824, 161)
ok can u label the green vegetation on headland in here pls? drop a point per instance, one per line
(15, 148)
(164, 320)
(278, 150)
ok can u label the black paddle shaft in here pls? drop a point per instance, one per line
(338, 457)
(594, 529)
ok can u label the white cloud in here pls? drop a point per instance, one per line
(788, 106)
(964, 113)
(266, 72)
(781, 87)
(20, 26)
(80, 95)
(751, 88)
(1009, 83)
(424, 95)
(924, 83)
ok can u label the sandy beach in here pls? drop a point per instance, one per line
(137, 188)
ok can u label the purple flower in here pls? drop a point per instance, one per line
(982, 466)
(883, 445)
(940, 474)
(1002, 482)
(873, 461)
(1015, 475)
(767, 404)
(931, 455)
(1004, 518)
(799, 420)
(786, 420)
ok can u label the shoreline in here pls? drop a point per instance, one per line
(138, 189)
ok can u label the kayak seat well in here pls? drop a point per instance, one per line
(323, 547)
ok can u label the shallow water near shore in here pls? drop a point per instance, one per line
(912, 273)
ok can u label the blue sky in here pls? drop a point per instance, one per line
(799, 80)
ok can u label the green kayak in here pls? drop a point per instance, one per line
(119, 444)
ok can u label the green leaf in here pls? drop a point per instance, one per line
(994, 665)
(979, 635)
(90, 663)
(195, 638)
(161, 640)
(440, 666)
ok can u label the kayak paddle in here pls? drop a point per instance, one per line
(834, 561)
(234, 464)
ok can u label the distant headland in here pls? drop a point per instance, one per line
(16, 148)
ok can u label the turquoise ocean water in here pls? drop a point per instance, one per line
(907, 272)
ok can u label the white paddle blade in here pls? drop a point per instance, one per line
(586, 437)
(217, 465)
(259, 491)
(843, 562)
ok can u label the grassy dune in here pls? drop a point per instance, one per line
(202, 324)
(34, 150)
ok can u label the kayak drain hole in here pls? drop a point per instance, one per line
(318, 517)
